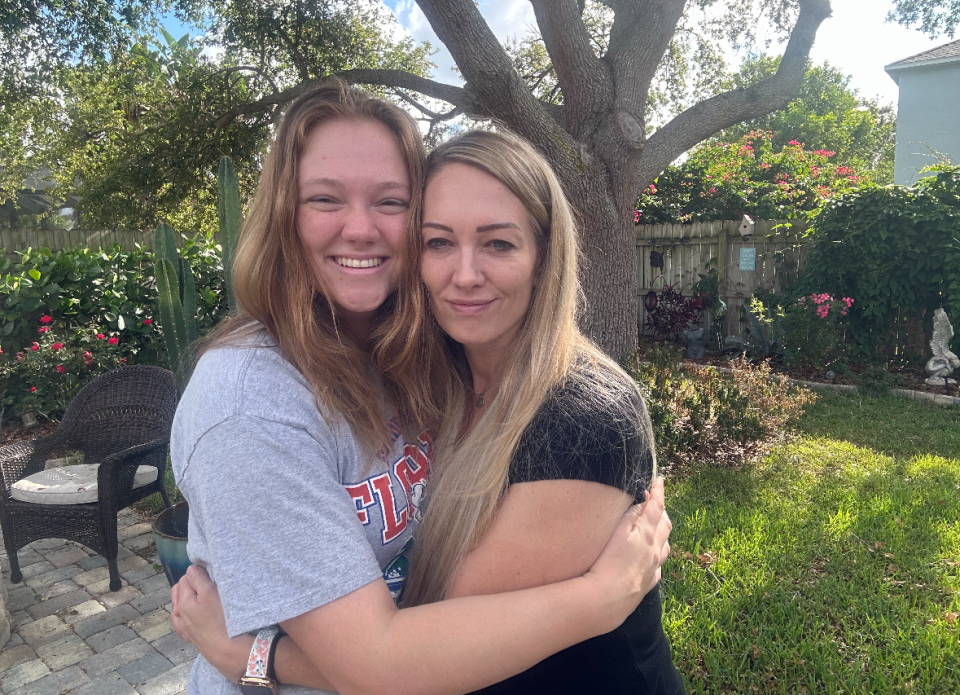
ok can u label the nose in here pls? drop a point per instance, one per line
(467, 272)
(359, 226)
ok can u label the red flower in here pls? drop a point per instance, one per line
(44, 329)
(34, 347)
(46, 319)
(56, 346)
(636, 217)
(61, 369)
(147, 322)
(33, 389)
(100, 336)
(114, 340)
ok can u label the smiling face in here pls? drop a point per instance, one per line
(354, 193)
(479, 258)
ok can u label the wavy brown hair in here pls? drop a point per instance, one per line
(278, 288)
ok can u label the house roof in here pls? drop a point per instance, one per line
(947, 53)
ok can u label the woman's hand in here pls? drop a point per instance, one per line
(198, 618)
(629, 566)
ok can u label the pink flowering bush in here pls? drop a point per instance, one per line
(814, 330)
(45, 375)
(726, 180)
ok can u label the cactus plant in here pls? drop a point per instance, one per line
(231, 220)
(178, 305)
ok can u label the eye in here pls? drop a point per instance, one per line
(394, 205)
(322, 200)
(436, 244)
(501, 245)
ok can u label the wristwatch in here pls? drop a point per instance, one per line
(260, 678)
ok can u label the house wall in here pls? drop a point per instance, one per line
(928, 117)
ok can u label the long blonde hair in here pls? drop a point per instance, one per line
(471, 469)
(278, 288)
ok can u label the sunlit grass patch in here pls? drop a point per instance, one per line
(828, 567)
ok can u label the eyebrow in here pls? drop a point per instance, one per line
(480, 230)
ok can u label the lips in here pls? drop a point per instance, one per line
(469, 307)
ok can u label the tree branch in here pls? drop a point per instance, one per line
(640, 35)
(724, 110)
(492, 78)
(432, 115)
(583, 78)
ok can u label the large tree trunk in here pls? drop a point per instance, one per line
(608, 270)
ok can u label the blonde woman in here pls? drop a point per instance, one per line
(301, 467)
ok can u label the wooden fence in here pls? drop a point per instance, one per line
(55, 239)
(686, 249)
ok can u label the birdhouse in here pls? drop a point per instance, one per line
(746, 226)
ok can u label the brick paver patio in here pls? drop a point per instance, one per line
(70, 634)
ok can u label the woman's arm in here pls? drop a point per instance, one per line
(363, 644)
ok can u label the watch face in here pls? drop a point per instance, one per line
(258, 686)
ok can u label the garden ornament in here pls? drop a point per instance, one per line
(695, 343)
(746, 226)
(943, 361)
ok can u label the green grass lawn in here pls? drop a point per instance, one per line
(832, 566)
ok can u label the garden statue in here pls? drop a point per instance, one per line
(943, 361)
(695, 341)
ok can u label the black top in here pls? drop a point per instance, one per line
(592, 431)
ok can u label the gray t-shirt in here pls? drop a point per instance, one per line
(286, 513)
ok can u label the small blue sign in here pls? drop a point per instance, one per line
(748, 258)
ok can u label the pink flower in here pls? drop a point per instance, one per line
(34, 347)
(43, 329)
(114, 340)
(33, 389)
(56, 346)
(794, 143)
(147, 322)
(100, 336)
(822, 311)
(636, 217)
(713, 191)
(122, 360)
(61, 369)
(19, 356)
(46, 319)
(87, 356)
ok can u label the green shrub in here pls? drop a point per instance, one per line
(897, 251)
(46, 375)
(703, 414)
(813, 330)
(112, 289)
(87, 292)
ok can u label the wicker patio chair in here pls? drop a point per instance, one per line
(121, 420)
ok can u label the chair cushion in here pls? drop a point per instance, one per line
(70, 484)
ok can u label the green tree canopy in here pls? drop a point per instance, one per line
(138, 135)
(826, 114)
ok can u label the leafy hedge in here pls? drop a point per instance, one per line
(71, 298)
(895, 249)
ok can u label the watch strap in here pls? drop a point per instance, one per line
(260, 662)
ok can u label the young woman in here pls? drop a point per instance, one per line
(304, 495)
